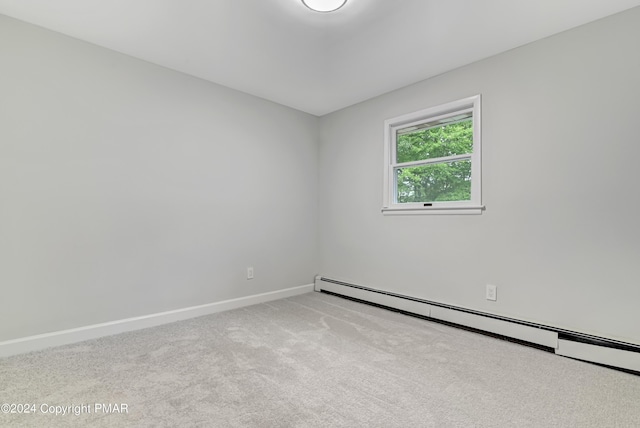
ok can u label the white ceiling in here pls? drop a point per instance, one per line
(315, 62)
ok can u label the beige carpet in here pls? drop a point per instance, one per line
(314, 361)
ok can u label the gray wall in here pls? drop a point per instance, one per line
(128, 189)
(560, 235)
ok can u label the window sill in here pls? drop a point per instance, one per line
(465, 210)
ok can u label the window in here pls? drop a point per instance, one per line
(432, 160)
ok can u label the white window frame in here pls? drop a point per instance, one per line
(391, 126)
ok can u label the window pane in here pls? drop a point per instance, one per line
(435, 142)
(438, 182)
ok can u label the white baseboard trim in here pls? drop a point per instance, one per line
(65, 337)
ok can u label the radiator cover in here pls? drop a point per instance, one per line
(566, 343)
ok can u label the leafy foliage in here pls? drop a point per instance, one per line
(442, 181)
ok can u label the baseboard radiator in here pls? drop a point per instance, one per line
(599, 350)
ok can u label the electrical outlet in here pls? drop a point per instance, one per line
(250, 273)
(492, 292)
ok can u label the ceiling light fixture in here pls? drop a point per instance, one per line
(324, 5)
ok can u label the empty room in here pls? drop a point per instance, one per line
(319, 213)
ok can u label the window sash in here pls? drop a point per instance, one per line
(445, 159)
(443, 120)
(430, 203)
(467, 108)
(429, 123)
